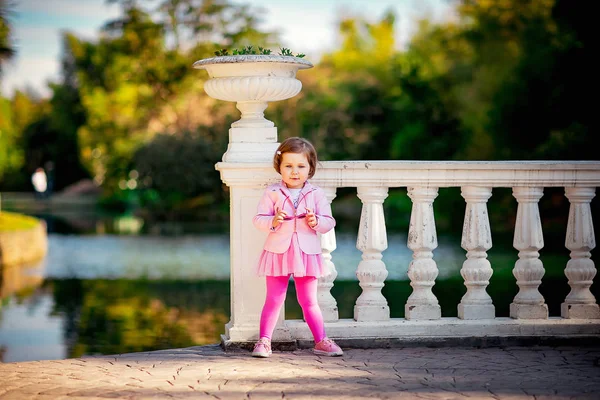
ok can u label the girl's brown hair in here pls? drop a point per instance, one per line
(299, 146)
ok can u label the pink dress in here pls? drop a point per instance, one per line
(293, 262)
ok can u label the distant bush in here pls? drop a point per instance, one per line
(177, 171)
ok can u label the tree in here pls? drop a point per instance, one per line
(133, 85)
(17, 114)
(540, 111)
(369, 100)
(6, 49)
(176, 172)
(124, 81)
(189, 23)
(7, 160)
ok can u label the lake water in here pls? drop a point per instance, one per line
(107, 294)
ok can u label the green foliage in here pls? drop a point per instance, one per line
(540, 106)
(372, 102)
(16, 115)
(11, 158)
(243, 51)
(397, 208)
(133, 86)
(48, 144)
(120, 94)
(502, 81)
(251, 50)
(260, 51)
(287, 52)
(177, 171)
(6, 49)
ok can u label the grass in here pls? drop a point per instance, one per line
(12, 222)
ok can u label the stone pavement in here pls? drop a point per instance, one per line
(398, 373)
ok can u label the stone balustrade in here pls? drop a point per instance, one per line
(580, 313)
(247, 169)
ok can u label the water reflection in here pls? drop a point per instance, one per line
(25, 331)
(20, 280)
(74, 317)
(110, 294)
(107, 294)
(29, 330)
(118, 316)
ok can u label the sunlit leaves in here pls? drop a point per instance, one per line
(135, 84)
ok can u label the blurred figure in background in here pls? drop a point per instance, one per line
(40, 183)
(49, 166)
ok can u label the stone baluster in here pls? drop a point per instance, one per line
(580, 302)
(371, 305)
(422, 271)
(529, 270)
(326, 301)
(476, 270)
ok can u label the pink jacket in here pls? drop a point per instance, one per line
(276, 197)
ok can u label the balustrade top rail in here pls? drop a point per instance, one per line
(441, 173)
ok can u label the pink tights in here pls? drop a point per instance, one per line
(306, 290)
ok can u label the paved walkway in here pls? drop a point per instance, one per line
(410, 373)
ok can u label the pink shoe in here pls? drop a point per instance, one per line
(327, 347)
(262, 348)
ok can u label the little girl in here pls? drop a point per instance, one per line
(293, 211)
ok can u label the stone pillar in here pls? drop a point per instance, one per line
(580, 302)
(326, 301)
(247, 182)
(476, 270)
(529, 270)
(422, 271)
(252, 81)
(371, 305)
(251, 144)
(246, 243)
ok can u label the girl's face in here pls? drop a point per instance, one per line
(294, 169)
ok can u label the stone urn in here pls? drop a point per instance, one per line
(252, 81)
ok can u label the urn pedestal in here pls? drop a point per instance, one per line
(252, 81)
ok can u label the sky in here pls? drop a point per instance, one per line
(307, 26)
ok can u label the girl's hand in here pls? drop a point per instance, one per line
(278, 219)
(311, 218)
